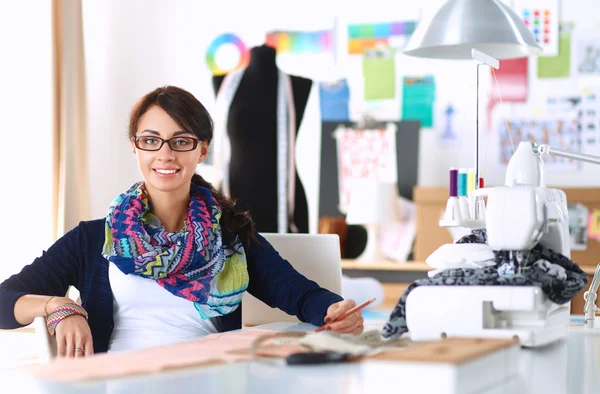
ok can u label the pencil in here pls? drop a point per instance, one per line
(345, 315)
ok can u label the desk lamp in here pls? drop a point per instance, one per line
(372, 203)
(483, 30)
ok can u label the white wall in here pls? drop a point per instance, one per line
(136, 45)
(26, 108)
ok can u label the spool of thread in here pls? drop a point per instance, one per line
(462, 182)
(470, 181)
(453, 182)
(481, 183)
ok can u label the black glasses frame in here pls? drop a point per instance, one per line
(162, 142)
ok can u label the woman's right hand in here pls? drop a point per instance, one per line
(73, 334)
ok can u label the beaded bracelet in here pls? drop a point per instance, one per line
(61, 313)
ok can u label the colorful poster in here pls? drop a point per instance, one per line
(542, 19)
(364, 154)
(379, 72)
(334, 98)
(558, 66)
(594, 225)
(561, 132)
(418, 96)
(300, 42)
(362, 37)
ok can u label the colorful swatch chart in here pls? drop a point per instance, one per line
(224, 39)
(362, 37)
(541, 16)
(300, 42)
(418, 96)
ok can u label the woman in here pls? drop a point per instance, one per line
(171, 260)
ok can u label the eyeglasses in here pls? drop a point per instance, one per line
(177, 144)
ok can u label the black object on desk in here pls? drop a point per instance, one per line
(316, 358)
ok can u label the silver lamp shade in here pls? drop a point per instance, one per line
(461, 25)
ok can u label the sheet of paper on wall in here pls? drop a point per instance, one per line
(586, 52)
(334, 100)
(589, 118)
(418, 96)
(510, 84)
(365, 36)
(594, 225)
(364, 154)
(561, 131)
(558, 66)
(542, 19)
(448, 132)
(379, 73)
(397, 238)
(578, 225)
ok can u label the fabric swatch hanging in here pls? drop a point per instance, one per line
(379, 72)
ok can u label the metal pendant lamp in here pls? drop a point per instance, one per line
(459, 26)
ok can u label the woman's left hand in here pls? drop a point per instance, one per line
(353, 324)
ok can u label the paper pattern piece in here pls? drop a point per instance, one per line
(418, 96)
(578, 225)
(379, 72)
(558, 66)
(561, 132)
(542, 19)
(364, 154)
(334, 100)
(209, 350)
(362, 37)
(300, 42)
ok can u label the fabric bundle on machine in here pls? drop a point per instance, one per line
(558, 277)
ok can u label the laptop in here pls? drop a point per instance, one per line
(316, 256)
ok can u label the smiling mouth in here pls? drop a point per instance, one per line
(165, 172)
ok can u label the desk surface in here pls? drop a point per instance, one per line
(568, 366)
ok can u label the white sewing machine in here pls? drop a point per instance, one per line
(518, 216)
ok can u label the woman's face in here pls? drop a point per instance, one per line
(166, 170)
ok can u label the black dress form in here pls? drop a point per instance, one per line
(252, 132)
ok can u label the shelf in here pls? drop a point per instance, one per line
(385, 265)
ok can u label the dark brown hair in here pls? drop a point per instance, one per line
(191, 115)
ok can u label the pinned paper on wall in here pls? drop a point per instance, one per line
(558, 66)
(449, 133)
(364, 154)
(594, 225)
(510, 84)
(542, 19)
(418, 96)
(578, 225)
(561, 132)
(379, 72)
(586, 51)
(589, 118)
(300, 42)
(362, 37)
(334, 100)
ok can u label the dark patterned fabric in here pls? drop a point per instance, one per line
(558, 277)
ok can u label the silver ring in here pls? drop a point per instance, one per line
(79, 349)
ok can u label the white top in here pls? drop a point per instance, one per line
(147, 315)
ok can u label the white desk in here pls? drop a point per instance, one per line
(571, 366)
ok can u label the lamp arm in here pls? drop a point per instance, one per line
(589, 308)
(548, 150)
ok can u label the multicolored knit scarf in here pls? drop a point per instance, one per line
(193, 263)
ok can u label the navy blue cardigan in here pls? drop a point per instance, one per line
(76, 260)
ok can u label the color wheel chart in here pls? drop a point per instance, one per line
(299, 42)
(362, 37)
(226, 40)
